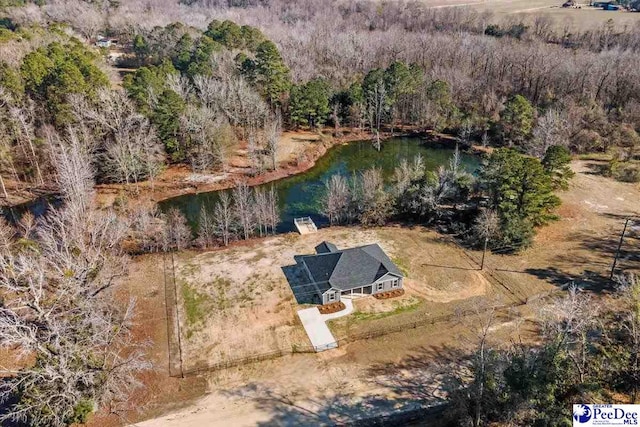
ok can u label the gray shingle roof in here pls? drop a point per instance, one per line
(349, 268)
(326, 247)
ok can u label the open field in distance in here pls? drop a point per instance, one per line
(582, 18)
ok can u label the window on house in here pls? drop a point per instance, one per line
(395, 283)
(332, 296)
(380, 286)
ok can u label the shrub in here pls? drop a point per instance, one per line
(625, 171)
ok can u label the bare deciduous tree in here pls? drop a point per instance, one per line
(375, 204)
(337, 200)
(209, 137)
(568, 322)
(126, 146)
(177, 233)
(486, 225)
(224, 217)
(406, 173)
(206, 229)
(273, 211)
(273, 131)
(629, 296)
(7, 232)
(75, 173)
(243, 207)
(60, 310)
(551, 129)
(147, 227)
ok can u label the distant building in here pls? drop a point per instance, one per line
(105, 42)
(606, 5)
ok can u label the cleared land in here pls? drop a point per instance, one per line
(238, 302)
(395, 371)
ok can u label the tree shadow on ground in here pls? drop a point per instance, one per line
(604, 250)
(301, 285)
(428, 375)
(589, 280)
(410, 391)
(589, 265)
(597, 167)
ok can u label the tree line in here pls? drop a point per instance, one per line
(239, 214)
(511, 196)
(589, 352)
(197, 93)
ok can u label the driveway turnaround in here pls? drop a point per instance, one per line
(314, 323)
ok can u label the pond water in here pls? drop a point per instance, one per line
(37, 207)
(301, 195)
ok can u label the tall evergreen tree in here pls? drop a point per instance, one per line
(516, 121)
(309, 103)
(556, 163)
(521, 192)
(272, 75)
(166, 117)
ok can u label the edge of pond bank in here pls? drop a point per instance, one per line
(286, 171)
(175, 185)
(429, 139)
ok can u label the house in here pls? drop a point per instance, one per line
(606, 5)
(105, 42)
(364, 270)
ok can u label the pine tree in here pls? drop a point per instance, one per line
(521, 192)
(166, 117)
(517, 120)
(309, 103)
(556, 163)
(272, 75)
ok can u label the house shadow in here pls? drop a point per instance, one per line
(304, 291)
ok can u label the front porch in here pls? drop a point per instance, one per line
(358, 292)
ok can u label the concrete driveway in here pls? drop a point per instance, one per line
(314, 324)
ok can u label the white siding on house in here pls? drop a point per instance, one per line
(386, 283)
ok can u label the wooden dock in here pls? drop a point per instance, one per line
(305, 225)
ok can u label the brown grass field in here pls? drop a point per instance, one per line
(583, 18)
(237, 302)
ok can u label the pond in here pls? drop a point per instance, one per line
(38, 207)
(301, 195)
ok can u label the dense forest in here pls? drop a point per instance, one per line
(195, 93)
(198, 89)
(203, 76)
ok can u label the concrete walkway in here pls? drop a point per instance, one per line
(348, 309)
(314, 323)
